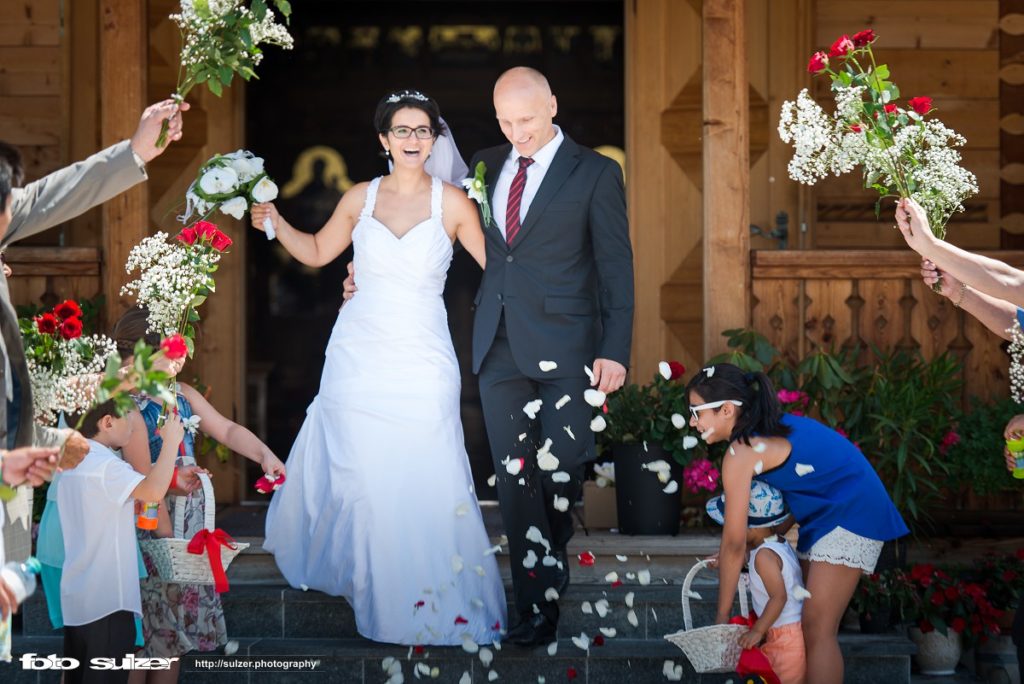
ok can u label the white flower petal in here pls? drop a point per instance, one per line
(632, 619)
(563, 401)
(587, 608)
(522, 436)
(462, 509)
(493, 550)
(804, 469)
(549, 561)
(707, 433)
(689, 441)
(457, 564)
(547, 366)
(231, 648)
(532, 407)
(678, 422)
(492, 480)
(611, 577)
(552, 648)
(590, 373)
(547, 461)
(386, 664)
(602, 607)
(568, 431)
(609, 632)
(663, 477)
(760, 447)
(477, 603)
(629, 599)
(709, 371)
(492, 675)
(304, 587)
(665, 370)
(486, 656)
(643, 577)
(659, 466)
(465, 678)
(561, 503)
(468, 645)
(480, 569)
(673, 672)
(621, 558)
(514, 466)
(531, 559)
(550, 594)
(560, 477)
(693, 595)
(235, 207)
(759, 467)
(582, 641)
(672, 487)
(801, 594)
(598, 424)
(595, 398)
(265, 190)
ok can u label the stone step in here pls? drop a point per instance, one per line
(282, 612)
(667, 558)
(869, 659)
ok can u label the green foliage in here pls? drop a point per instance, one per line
(976, 462)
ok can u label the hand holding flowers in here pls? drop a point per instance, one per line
(233, 183)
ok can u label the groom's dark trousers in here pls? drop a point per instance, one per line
(561, 292)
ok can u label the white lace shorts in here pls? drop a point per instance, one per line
(842, 547)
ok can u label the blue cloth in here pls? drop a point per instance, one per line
(150, 411)
(1020, 317)
(843, 490)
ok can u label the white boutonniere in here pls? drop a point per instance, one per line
(476, 188)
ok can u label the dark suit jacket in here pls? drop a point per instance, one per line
(566, 281)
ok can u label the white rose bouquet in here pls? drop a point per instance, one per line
(232, 183)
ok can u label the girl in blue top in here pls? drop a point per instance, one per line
(833, 492)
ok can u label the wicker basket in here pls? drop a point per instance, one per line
(715, 648)
(170, 556)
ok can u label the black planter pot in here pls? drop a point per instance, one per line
(876, 622)
(643, 508)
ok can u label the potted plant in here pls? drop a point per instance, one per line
(948, 615)
(882, 599)
(1002, 577)
(974, 459)
(646, 430)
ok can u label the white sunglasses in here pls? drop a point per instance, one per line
(713, 405)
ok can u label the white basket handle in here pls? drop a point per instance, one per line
(210, 509)
(688, 582)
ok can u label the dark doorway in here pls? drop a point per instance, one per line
(309, 115)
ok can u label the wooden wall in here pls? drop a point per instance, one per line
(948, 50)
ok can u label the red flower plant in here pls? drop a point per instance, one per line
(46, 323)
(842, 47)
(67, 309)
(174, 347)
(678, 369)
(71, 328)
(220, 241)
(890, 108)
(922, 105)
(188, 236)
(205, 230)
(818, 63)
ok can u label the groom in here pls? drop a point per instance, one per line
(556, 296)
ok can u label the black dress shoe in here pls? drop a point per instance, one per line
(521, 628)
(537, 630)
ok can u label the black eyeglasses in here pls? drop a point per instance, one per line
(403, 132)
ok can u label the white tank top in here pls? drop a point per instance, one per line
(792, 577)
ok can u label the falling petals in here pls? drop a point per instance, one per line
(492, 480)
(759, 467)
(673, 672)
(493, 550)
(710, 371)
(533, 534)
(678, 422)
(492, 675)
(532, 407)
(621, 559)
(457, 564)
(547, 366)
(560, 477)
(800, 594)
(672, 487)
(522, 436)
(562, 402)
(545, 459)
(568, 431)
(231, 648)
(691, 594)
(486, 656)
(582, 641)
(462, 509)
(477, 603)
(632, 619)
(643, 577)
(549, 561)
(602, 607)
(804, 469)
(465, 678)
(586, 558)
(689, 441)
(629, 599)
(707, 433)
(659, 466)
(468, 645)
(480, 569)
(595, 398)
(459, 620)
(598, 424)
(550, 594)
(515, 466)
(665, 370)
(561, 503)
(590, 373)
(531, 559)
(611, 576)
(304, 587)
(587, 608)
(760, 447)
(663, 477)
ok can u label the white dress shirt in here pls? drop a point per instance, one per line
(534, 176)
(101, 567)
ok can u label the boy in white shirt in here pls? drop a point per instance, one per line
(776, 586)
(99, 590)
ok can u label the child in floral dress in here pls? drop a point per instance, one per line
(179, 618)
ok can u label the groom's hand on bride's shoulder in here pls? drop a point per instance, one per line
(609, 375)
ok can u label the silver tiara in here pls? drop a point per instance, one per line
(407, 94)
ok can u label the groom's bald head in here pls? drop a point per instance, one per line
(525, 108)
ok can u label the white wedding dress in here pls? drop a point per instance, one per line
(379, 505)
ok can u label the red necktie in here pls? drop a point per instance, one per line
(515, 200)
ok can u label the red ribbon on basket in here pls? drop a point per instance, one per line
(208, 541)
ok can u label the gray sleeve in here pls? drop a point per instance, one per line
(73, 190)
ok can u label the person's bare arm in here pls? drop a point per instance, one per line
(320, 248)
(769, 569)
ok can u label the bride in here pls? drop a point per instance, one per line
(379, 504)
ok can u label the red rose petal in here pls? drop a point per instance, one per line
(459, 620)
(419, 604)
(496, 626)
(598, 640)
(417, 650)
(616, 583)
(586, 559)
(571, 673)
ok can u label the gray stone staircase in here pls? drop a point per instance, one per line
(270, 620)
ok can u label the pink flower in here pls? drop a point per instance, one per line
(793, 397)
(701, 474)
(862, 38)
(948, 441)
